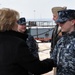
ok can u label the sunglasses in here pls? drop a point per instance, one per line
(63, 22)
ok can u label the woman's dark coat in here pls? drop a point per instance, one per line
(16, 58)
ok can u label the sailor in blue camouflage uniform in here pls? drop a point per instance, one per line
(31, 42)
(64, 51)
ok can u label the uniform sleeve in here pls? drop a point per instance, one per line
(53, 55)
(33, 46)
(71, 59)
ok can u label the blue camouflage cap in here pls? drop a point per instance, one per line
(22, 21)
(65, 15)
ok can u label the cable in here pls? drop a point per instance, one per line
(44, 32)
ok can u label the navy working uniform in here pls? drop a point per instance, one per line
(31, 42)
(64, 55)
(64, 51)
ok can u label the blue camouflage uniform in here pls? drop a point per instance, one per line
(33, 46)
(32, 43)
(64, 55)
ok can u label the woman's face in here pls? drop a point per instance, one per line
(15, 27)
(55, 17)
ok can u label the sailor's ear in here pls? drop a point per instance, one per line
(73, 22)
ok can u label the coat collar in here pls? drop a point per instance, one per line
(15, 34)
(69, 34)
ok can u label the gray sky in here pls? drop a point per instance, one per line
(36, 8)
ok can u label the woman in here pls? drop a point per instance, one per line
(15, 56)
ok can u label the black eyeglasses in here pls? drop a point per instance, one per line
(63, 22)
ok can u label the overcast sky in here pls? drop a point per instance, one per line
(36, 8)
